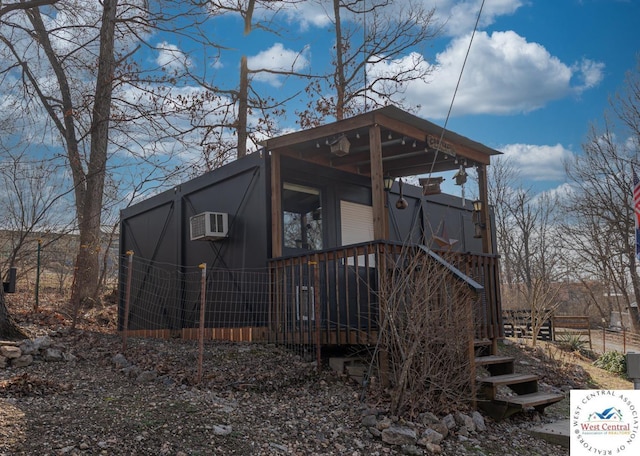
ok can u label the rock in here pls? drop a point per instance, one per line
(3, 362)
(28, 347)
(375, 432)
(147, 376)
(478, 421)
(9, 343)
(370, 421)
(166, 380)
(222, 429)
(282, 448)
(449, 421)
(465, 420)
(399, 435)
(69, 357)
(120, 361)
(384, 423)
(10, 352)
(428, 418)
(430, 436)
(52, 354)
(440, 428)
(42, 342)
(433, 448)
(411, 450)
(132, 371)
(23, 361)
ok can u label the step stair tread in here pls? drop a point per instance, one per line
(493, 359)
(508, 379)
(532, 399)
(481, 342)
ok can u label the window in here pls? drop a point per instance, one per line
(302, 212)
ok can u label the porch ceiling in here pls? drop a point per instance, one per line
(410, 145)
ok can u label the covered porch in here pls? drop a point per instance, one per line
(336, 225)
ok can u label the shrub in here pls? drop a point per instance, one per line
(614, 362)
(572, 342)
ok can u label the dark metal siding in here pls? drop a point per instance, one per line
(157, 230)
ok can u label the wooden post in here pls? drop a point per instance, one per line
(379, 210)
(487, 239)
(203, 300)
(276, 207)
(127, 299)
(316, 305)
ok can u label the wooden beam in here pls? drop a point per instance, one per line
(319, 133)
(276, 207)
(487, 239)
(380, 225)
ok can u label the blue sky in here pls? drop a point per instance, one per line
(538, 74)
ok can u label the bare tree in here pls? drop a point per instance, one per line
(23, 5)
(602, 199)
(34, 204)
(71, 72)
(369, 34)
(241, 115)
(9, 330)
(530, 243)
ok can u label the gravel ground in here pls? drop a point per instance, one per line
(253, 400)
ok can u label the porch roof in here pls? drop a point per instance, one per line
(410, 145)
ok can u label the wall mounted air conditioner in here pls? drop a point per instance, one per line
(209, 226)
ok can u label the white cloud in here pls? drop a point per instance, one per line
(504, 74)
(277, 58)
(538, 163)
(589, 73)
(171, 57)
(459, 17)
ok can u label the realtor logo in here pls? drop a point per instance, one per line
(605, 422)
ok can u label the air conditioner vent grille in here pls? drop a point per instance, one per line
(209, 226)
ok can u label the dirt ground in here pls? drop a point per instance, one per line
(253, 399)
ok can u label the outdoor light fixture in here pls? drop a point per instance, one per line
(388, 183)
(340, 147)
(477, 219)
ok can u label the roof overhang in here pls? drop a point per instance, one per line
(410, 145)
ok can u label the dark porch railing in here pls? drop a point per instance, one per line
(330, 297)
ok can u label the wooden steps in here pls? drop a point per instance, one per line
(503, 392)
(355, 367)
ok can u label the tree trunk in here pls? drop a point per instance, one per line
(243, 97)
(339, 74)
(9, 330)
(87, 274)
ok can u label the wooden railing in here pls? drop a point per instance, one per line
(330, 297)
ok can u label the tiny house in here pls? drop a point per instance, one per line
(300, 230)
